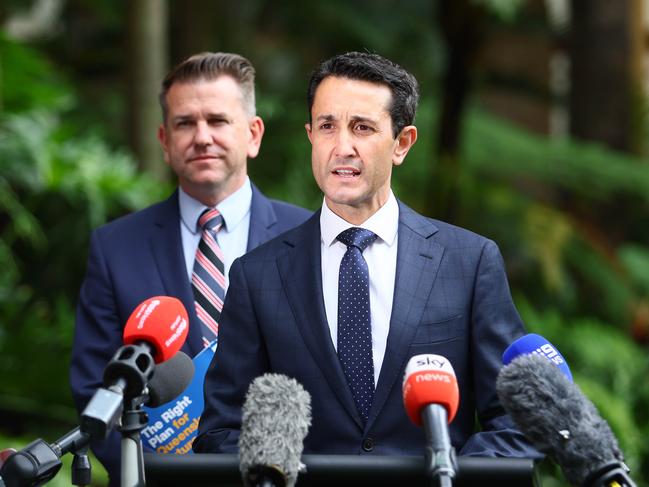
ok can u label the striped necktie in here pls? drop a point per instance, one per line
(208, 279)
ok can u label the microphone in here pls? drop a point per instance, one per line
(169, 379)
(39, 462)
(559, 420)
(159, 323)
(431, 397)
(536, 344)
(276, 416)
(154, 332)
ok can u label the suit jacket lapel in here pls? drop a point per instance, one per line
(301, 276)
(262, 218)
(166, 245)
(418, 259)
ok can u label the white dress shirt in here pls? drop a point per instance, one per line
(381, 258)
(232, 237)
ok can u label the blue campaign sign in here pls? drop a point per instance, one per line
(173, 426)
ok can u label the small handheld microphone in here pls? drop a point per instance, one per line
(559, 420)
(276, 416)
(538, 345)
(431, 396)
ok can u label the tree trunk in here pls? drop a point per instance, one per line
(198, 27)
(605, 72)
(147, 54)
(461, 23)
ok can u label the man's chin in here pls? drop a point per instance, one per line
(345, 197)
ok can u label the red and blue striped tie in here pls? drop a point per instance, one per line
(208, 278)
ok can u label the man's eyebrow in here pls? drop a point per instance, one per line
(326, 118)
(361, 118)
(217, 115)
(189, 116)
(182, 116)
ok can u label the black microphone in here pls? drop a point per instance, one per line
(276, 416)
(560, 421)
(169, 379)
(39, 462)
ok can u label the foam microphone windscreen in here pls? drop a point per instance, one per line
(170, 378)
(276, 416)
(556, 417)
(429, 379)
(538, 345)
(161, 322)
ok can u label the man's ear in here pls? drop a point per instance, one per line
(307, 126)
(162, 137)
(405, 140)
(256, 127)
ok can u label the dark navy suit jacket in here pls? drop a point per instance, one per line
(131, 259)
(451, 298)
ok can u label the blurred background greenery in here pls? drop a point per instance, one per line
(533, 131)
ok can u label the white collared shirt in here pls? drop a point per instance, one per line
(232, 237)
(381, 258)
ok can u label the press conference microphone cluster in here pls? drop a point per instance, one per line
(39, 461)
(153, 333)
(276, 416)
(431, 397)
(559, 420)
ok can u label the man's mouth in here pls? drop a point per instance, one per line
(346, 172)
(204, 157)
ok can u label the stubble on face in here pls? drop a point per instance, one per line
(352, 146)
(208, 137)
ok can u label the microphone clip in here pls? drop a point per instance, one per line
(611, 473)
(266, 476)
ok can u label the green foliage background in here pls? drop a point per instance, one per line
(62, 173)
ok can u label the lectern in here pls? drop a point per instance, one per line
(340, 471)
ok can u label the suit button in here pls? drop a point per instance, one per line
(368, 444)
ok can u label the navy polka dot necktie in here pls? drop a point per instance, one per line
(354, 328)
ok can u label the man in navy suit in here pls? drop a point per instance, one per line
(209, 131)
(433, 288)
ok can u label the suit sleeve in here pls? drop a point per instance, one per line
(97, 335)
(495, 324)
(240, 357)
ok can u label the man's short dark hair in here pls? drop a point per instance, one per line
(365, 66)
(209, 66)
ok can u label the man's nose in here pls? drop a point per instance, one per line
(345, 145)
(203, 135)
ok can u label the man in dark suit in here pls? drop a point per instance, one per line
(209, 131)
(343, 301)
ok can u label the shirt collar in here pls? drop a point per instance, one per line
(233, 208)
(384, 223)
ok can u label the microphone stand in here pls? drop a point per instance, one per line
(128, 374)
(440, 455)
(134, 419)
(77, 442)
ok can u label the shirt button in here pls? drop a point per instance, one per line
(368, 444)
